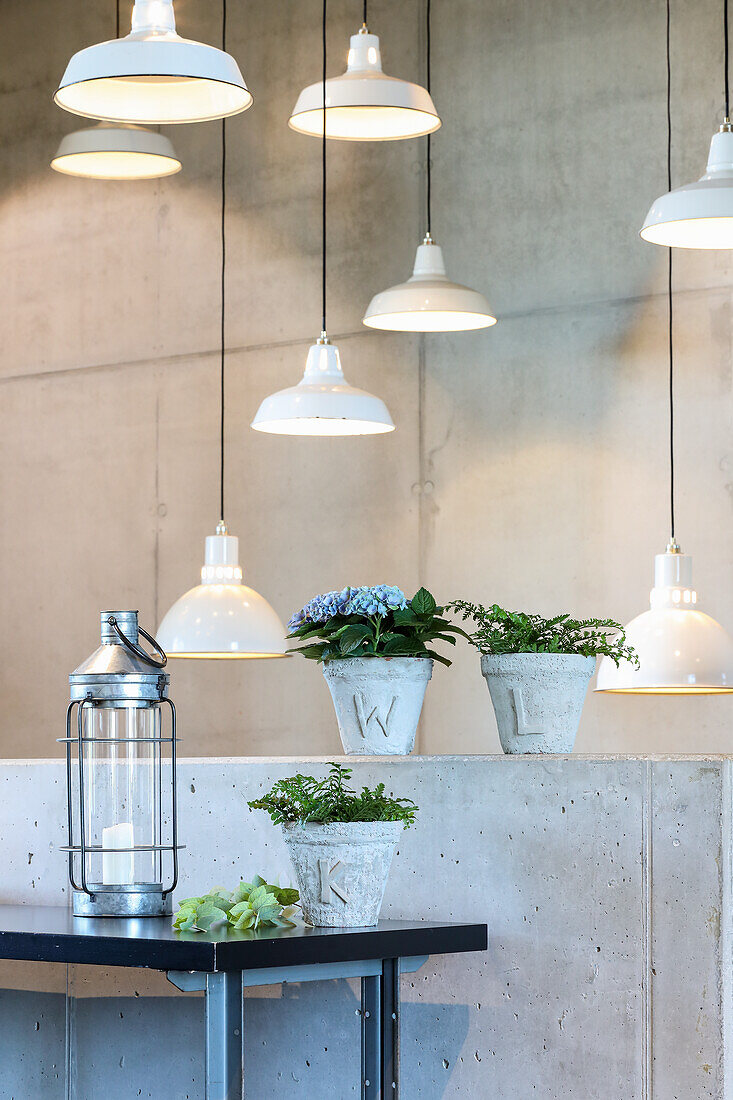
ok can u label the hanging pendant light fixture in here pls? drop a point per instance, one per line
(116, 152)
(153, 75)
(428, 301)
(681, 650)
(121, 152)
(323, 403)
(364, 104)
(699, 215)
(222, 617)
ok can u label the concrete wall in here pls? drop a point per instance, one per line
(529, 462)
(605, 884)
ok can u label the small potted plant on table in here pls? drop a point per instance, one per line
(341, 843)
(376, 648)
(537, 671)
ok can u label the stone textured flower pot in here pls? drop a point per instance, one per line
(342, 869)
(538, 698)
(378, 702)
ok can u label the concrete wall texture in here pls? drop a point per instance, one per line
(607, 890)
(529, 461)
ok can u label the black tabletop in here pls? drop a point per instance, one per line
(39, 933)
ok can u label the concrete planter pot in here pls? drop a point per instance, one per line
(538, 698)
(378, 701)
(342, 869)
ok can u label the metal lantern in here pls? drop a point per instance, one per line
(121, 777)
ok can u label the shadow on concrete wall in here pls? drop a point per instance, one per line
(302, 1040)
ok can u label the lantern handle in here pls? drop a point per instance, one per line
(138, 650)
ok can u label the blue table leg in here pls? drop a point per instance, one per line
(390, 1028)
(371, 1053)
(224, 1036)
(380, 1033)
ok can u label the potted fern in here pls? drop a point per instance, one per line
(341, 843)
(376, 649)
(537, 671)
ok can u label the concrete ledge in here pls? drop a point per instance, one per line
(605, 882)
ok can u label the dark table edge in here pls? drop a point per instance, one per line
(207, 956)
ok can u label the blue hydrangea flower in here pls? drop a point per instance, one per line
(379, 599)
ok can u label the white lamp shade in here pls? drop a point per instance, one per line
(681, 650)
(429, 301)
(153, 75)
(364, 104)
(698, 215)
(221, 617)
(121, 152)
(323, 403)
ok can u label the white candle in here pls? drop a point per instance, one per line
(117, 869)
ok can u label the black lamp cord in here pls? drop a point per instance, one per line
(669, 283)
(323, 170)
(669, 269)
(364, 19)
(728, 94)
(223, 271)
(117, 19)
(428, 185)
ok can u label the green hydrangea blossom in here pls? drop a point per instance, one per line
(251, 905)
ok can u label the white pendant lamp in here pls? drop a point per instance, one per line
(681, 650)
(364, 104)
(153, 75)
(222, 618)
(323, 403)
(698, 215)
(121, 152)
(428, 301)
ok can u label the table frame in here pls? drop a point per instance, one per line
(222, 964)
(225, 1019)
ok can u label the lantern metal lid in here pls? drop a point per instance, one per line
(120, 670)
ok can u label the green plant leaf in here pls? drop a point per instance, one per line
(208, 914)
(405, 617)
(220, 898)
(268, 913)
(243, 922)
(422, 602)
(352, 638)
(191, 902)
(405, 646)
(438, 657)
(285, 895)
(282, 922)
(242, 892)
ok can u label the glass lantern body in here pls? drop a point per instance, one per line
(122, 795)
(121, 761)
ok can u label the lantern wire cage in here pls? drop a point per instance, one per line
(122, 817)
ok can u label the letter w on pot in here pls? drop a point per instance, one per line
(364, 718)
(330, 881)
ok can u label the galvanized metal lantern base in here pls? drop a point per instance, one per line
(122, 815)
(122, 901)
